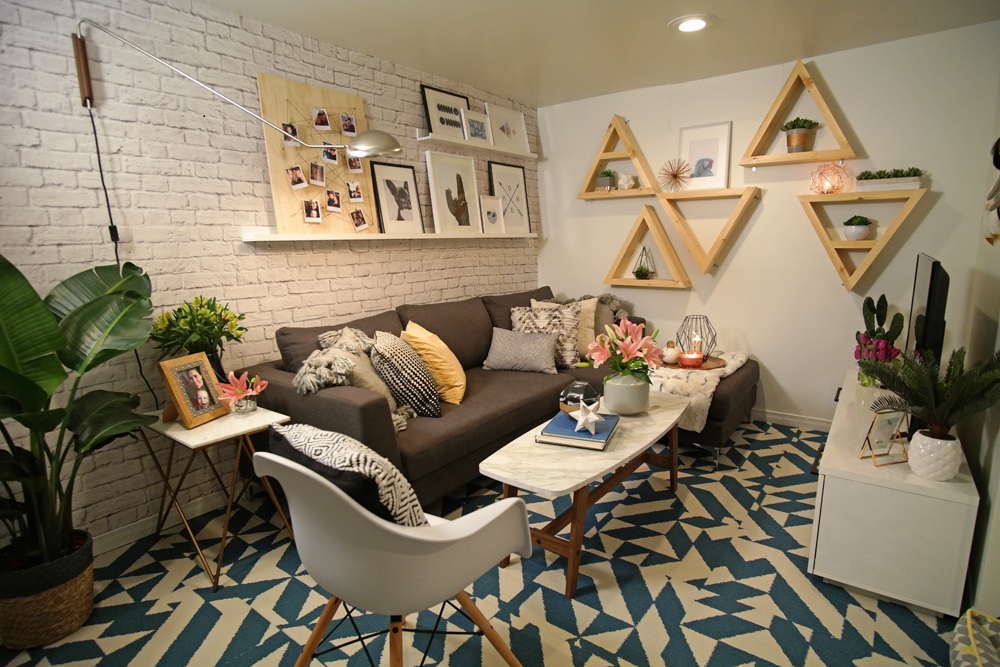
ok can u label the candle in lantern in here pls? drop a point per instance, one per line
(696, 344)
(690, 359)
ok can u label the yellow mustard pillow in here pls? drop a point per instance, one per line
(446, 370)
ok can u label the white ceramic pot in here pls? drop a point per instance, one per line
(626, 395)
(934, 459)
(856, 232)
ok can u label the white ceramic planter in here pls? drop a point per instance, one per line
(626, 395)
(856, 232)
(871, 185)
(934, 459)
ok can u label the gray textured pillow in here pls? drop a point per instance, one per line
(563, 321)
(515, 351)
(406, 374)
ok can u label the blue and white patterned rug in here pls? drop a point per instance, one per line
(712, 576)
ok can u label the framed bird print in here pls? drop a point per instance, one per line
(508, 183)
(706, 149)
(454, 194)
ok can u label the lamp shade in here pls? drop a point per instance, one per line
(373, 143)
(696, 334)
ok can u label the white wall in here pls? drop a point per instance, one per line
(929, 102)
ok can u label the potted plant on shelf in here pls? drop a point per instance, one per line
(606, 180)
(200, 325)
(919, 389)
(799, 134)
(876, 344)
(46, 572)
(856, 228)
(889, 179)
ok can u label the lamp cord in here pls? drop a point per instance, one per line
(113, 232)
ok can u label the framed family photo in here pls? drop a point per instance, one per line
(454, 194)
(444, 112)
(507, 129)
(191, 383)
(507, 182)
(706, 149)
(396, 201)
(885, 432)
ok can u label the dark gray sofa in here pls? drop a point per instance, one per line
(439, 455)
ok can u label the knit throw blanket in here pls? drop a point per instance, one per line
(698, 385)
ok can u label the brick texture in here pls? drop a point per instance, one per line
(184, 172)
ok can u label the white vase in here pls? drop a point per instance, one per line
(856, 232)
(934, 459)
(626, 395)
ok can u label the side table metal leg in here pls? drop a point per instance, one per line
(245, 442)
(229, 511)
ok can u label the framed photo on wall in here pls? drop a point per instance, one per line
(507, 127)
(492, 211)
(444, 112)
(191, 383)
(706, 149)
(477, 127)
(454, 194)
(396, 200)
(507, 182)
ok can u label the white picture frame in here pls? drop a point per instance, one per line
(491, 210)
(706, 149)
(507, 181)
(477, 128)
(454, 194)
(508, 130)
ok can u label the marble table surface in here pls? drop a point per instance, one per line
(555, 470)
(227, 427)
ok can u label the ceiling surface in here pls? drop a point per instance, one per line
(544, 52)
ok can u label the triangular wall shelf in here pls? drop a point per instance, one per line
(798, 80)
(619, 131)
(647, 222)
(705, 260)
(835, 246)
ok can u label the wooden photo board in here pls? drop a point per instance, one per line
(283, 101)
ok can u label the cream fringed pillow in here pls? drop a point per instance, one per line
(445, 369)
(585, 331)
(563, 321)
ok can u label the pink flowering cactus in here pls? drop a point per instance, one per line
(626, 350)
(240, 388)
(876, 349)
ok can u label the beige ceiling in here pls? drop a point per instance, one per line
(543, 52)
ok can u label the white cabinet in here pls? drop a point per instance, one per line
(885, 530)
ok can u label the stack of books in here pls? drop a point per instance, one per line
(561, 431)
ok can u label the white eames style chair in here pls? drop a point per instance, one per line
(372, 564)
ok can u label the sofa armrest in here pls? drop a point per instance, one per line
(362, 414)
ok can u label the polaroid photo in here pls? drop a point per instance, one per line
(354, 165)
(296, 178)
(358, 218)
(321, 121)
(330, 155)
(333, 201)
(354, 192)
(317, 174)
(288, 128)
(348, 127)
(310, 209)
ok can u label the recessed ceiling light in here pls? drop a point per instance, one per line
(692, 23)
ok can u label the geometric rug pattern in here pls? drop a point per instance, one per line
(714, 575)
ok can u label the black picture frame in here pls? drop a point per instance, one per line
(386, 202)
(443, 112)
(507, 181)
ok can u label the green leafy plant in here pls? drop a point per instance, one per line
(875, 314)
(856, 220)
(85, 321)
(919, 389)
(200, 325)
(800, 124)
(607, 173)
(869, 175)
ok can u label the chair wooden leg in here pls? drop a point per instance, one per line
(317, 634)
(396, 641)
(483, 623)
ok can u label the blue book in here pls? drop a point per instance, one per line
(560, 431)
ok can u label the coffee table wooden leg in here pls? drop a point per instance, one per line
(577, 525)
(508, 492)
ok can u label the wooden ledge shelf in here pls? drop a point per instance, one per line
(618, 194)
(431, 138)
(268, 235)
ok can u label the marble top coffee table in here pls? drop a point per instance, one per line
(553, 470)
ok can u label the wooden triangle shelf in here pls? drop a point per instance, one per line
(798, 80)
(706, 259)
(619, 131)
(837, 249)
(647, 222)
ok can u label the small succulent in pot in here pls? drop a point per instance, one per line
(800, 124)
(606, 180)
(856, 227)
(799, 133)
(855, 220)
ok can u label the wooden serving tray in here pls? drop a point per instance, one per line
(709, 364)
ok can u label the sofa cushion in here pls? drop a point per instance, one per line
(499, 305)
(563, 321)
(296, 343)
(445, 368)
(464, 326)
(516, 351)
(406, 374)
(585, 329)
(371, 480)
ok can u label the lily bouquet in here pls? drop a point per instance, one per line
(626, 350)
(239, 388)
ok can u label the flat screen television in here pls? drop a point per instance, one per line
(927, 307)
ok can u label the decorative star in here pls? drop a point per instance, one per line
(587, 417)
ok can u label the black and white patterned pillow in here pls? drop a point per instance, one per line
(344, 453)
(564, 322)
(406, 374)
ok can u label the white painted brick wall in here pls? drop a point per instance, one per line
(185, 172)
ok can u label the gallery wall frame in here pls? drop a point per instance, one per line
(454, 193)
(396, 199)
(443, 111)
(492, 212)
(706, 149)
(508, 130)
(507, 181)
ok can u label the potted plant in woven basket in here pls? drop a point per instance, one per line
(46, 571)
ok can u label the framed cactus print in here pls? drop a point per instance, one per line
(454, 194)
